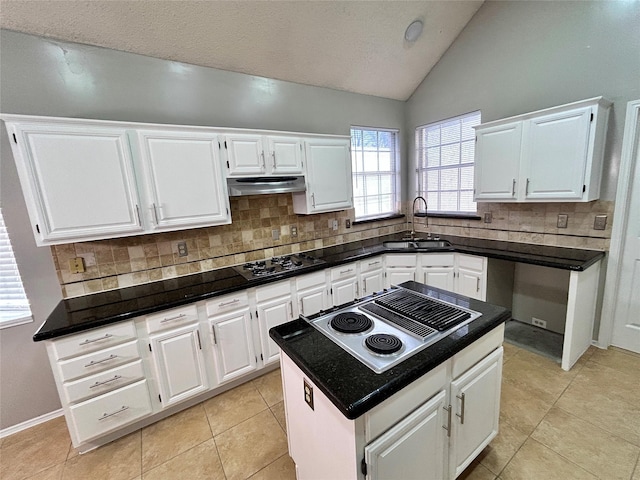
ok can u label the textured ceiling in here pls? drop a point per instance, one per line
(357, 46)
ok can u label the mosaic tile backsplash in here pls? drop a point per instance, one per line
(123, 262)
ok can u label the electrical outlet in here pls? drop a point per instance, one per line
(275, 234)
(347, 223)
(293, 230)
(76, 265)
(308, 394)
(538, 322)
(182, 249)
(488, 217)
(600, 222)
(563, 220)
(334, 225)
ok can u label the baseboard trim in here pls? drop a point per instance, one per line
(31, 423)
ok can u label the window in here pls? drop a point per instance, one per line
(374, 154)
(444, 154)
(14, 306)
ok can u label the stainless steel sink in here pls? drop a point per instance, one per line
(417, 244)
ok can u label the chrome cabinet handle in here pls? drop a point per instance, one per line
(373, 263)
(98, 362)
(107, 415)
(88, 341)
(526, 190)
(448, 427)
(346, 271)
(513, 188)
(97, 384)
(155, 212)
(365, 285)
(313, 200)
(177, 317)
(213, 330)
(199, 342)
(273, 156)
(264, 165)
(477, 286)
(291, 309)
(138, 215)
(226, 304)
(461, 397)
(301, 305)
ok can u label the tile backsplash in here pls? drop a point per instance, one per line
(128, 261)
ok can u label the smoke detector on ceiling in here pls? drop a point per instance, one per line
(413, 31)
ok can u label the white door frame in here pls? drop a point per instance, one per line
(620, 221)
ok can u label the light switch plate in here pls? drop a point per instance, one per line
(563, 220)
(600, 222)
(488, 217)
(76, 265)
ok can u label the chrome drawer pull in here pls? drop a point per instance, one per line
(107, 415)
(96, 362)
(461, 414)
(226, 304)
(374, 263)
(177, 317)
(88, 341)
(346, 271)
(97, 384)
(448, 427)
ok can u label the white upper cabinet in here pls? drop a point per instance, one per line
(258, 155)
(496, 176)
(78, 181)
(183, 179)
(552, 155)
(328, 176)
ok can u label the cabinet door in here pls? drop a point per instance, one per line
(285, 155)
(272, 314)
(439, 277)
(371, 282)
(475, 399)
(78, 181)
(184, 179)
(555, 155)
(312, 301)
(233, 345)
(344, 291)
(413, 448)
(397, 275)
(497, 162)
(328, 176)
(179, 364)
(470, 283)
(245, 155)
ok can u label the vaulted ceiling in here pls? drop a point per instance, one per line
(356, 46)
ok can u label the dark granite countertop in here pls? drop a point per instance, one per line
(354, 388)
(90, 311)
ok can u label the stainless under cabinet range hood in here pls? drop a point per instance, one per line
(265, 185)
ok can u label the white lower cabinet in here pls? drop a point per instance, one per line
(274, 307)
(414, 448)
(233, 349)
(471, 276)
(437, 270)
(475, 399)
(179, 364)
(400, 268)
(344, 284)
(371, 276)
(432, 429)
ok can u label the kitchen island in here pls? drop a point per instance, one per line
(432, 413)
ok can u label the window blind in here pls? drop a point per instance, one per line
(13, 300)
(445, 159)
(374, 155)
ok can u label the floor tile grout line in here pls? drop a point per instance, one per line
(213, 437)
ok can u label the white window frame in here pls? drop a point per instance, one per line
(434, 198)
(15, 310)
(359, 176)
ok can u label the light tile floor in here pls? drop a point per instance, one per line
(582, 424)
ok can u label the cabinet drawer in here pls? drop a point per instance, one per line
(475, 352)
(110, 411)
(172, 318)
(400, 260)
(93, 340)
(274, 290)
(345, 271)
(438, 260)
(471, 262)
(370, 264)
(311, 280)
(98, 361)
(227, 303)
(103, 382)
